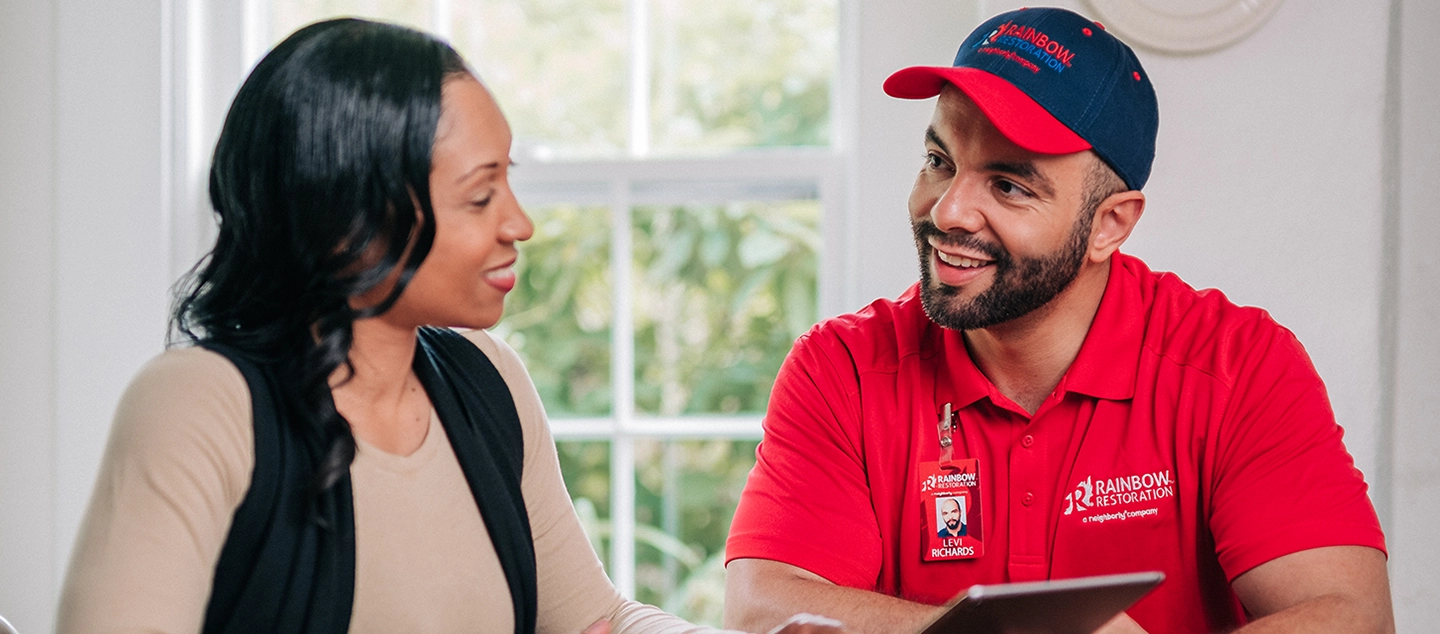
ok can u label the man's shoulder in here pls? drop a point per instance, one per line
(1201, 328)
(876, 336)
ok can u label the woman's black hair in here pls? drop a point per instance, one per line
(321, 184)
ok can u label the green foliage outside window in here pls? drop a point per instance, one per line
(559, 315)
(721, 292)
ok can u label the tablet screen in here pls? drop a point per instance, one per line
(1065, 606)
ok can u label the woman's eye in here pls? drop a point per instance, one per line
(483, 202)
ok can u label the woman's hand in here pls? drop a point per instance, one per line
(810, 624)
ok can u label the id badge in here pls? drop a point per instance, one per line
(950, 502)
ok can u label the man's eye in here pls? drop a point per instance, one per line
(933, 161)
(1010, 189)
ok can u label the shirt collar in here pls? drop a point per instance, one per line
(1107, 363)
(968, 383)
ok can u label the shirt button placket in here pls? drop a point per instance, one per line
(1027, 525)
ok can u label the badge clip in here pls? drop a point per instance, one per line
(945, 426)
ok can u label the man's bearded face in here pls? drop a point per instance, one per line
(951, 515)
(1019, 286)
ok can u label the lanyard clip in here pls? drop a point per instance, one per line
(945, 427)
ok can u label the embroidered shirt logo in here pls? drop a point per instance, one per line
(1095, 495)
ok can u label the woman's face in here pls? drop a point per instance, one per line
(464, 279)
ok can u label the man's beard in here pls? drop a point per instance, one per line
(953, 525)
(1019, 287)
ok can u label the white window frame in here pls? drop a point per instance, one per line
(620, 186)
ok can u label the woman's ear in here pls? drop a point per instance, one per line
(1114, 219)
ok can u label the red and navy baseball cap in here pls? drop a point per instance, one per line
(1053, 82)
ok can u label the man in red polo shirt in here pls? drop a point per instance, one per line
(1092, 416)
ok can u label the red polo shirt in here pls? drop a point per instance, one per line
(1190, 436)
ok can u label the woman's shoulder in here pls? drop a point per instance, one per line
(176, 467)
(494, 347)
(533, 421)
(189, 378)
(506, 360)
(188, 405)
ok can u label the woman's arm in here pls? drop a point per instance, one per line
(176, 466)
(574, 592)
(573, 589)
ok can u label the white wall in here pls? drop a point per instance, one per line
(85, 273)
(884, 137)
(1270, 184)
(1414, 443)
(27, 336)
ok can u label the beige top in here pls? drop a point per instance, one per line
(178, 464)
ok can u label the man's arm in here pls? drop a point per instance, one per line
(760, 594)
(1332, 589)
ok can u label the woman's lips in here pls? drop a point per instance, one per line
(501, 277)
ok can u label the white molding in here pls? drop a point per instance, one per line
(738, 427)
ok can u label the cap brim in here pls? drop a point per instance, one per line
(1017, 116)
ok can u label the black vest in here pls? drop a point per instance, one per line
(282, 571)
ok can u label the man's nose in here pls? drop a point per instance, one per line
(958, 208)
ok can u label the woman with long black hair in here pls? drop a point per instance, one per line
(330, 456)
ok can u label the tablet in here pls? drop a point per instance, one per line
(1066, 606)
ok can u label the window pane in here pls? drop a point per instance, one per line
(288, 15)
(721, 292)
(741, 73)
(686, 492)
(586, 467)
(558, 317)
(558, 68)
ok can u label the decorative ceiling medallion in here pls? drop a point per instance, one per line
(1183, 26)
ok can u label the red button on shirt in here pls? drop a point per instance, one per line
(1190, 436)
(1027, 441)
(1028, 499)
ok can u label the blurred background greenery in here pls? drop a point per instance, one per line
(719, 291)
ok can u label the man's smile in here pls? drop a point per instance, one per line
(960, 260)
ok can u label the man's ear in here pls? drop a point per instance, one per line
(1114, 219)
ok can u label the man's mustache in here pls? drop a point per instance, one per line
(926, 231)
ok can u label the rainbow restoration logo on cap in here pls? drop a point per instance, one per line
(1052, 82)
